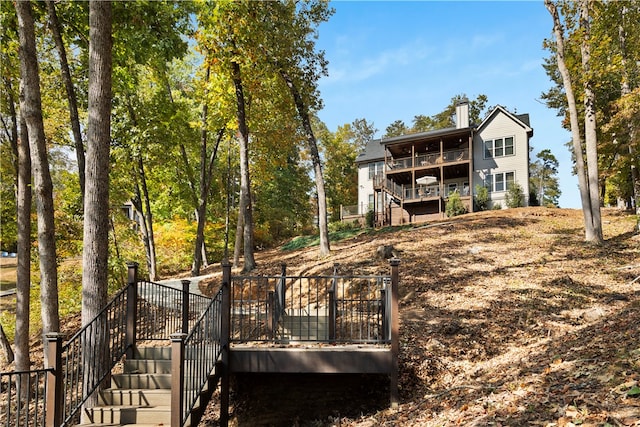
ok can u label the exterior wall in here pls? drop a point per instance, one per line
(365, 188)
(502, 126)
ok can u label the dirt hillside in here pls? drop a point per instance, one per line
(507, 318)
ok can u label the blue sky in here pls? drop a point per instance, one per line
(392, 60)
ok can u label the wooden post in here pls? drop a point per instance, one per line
(177, 379)
(225, 338)
(132, 309)
(395, 333)
(54, 396)
(185, 305)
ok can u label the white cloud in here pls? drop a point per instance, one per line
(353, 68)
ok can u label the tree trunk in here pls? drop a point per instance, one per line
(625, 89)
(245, 181)
(23, 272)
(31, 110)
(583, 184)
(5, 348)
(71, 93)
(148, 219)
(303, 111)
(590, 132)
(96, 204)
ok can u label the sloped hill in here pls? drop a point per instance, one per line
(507, 318)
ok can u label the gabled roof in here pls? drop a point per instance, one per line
(521, 120)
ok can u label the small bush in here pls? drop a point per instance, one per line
(455, 206)
(533, 199)
(515, 196)
(343, 226)
(369, 218)
(481, 198)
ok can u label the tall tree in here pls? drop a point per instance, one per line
(543, 178)
(96, 202)
(396, 128)
(590, 207)
(23, 272)
(31, 110)
(65, 70)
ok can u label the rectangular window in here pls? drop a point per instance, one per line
(508, 146)
(499, 147)
(499, 181)
(370, 206)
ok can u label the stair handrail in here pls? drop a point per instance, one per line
(197, 354)
(79, 383)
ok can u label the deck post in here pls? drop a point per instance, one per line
(177, 378)
(185, 305)
(54, 396)
(132, 308)
(395, 333)
(225, 335)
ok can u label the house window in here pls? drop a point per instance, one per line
(375, 169)
(370, 206)
(452, 188)
(499, 147)
(499, 181)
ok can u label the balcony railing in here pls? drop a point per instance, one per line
(428, 160)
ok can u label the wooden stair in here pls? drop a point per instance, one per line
(140, 395)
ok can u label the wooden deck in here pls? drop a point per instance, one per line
(319, 359)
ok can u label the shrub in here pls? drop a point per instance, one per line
(369, 218)
(533, 199)
(455, 206)
(337, 226)
(481, 198)
(515, 196)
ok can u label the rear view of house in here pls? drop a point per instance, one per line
(409, 178)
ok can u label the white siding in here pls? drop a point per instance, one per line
(365, 187)
(502, 126)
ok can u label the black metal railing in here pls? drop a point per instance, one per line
(342, 309)
(25, 398)
(202, 350)
(164, 310)
(90, 354)
(79, 367)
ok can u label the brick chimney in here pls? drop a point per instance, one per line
(462, 114)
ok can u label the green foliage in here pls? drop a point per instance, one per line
(543, 180)
(454, 206)
(515, 196)
(174, 245)
(314, 240)
(481, 198)
(369, 218)
(338, 226)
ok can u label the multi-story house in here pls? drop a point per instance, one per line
(408, 179)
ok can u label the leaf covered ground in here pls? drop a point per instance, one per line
(508, 318)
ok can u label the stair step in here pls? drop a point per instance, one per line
(130, 414)
(138, 381)
(152, 353)
(141, 397)
(142, 366)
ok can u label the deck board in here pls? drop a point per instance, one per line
(347, 359)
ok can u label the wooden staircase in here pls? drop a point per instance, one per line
(140, 395)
